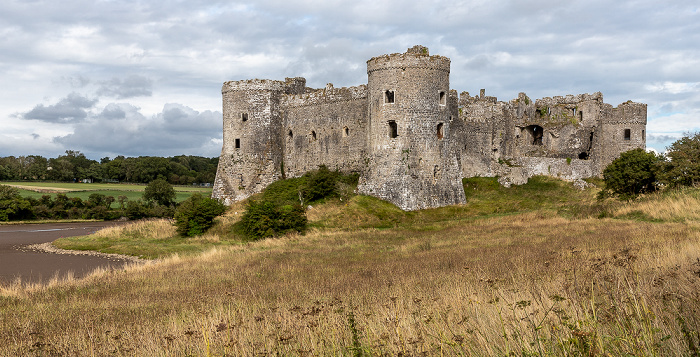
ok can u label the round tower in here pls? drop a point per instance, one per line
(251, 156)
(412, 158)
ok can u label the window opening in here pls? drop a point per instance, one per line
(238, 143)
(346, 132)
(628, 134)
(536, 132)
(580, 115)
(643, 135)
(290, 134)
(443, 98)
(388, 96)
(313, 135)
(393, 129)
(439, 131)
(244, 116)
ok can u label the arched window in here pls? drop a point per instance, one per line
(346, 132)
(440, 134)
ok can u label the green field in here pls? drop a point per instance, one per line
(84, 190)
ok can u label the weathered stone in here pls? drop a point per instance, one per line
(410, 137)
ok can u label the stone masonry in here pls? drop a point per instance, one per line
(410, 137)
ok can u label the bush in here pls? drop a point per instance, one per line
(161, 192)
(196, 214)
(263, 219)
(12, 205)
(631, 174)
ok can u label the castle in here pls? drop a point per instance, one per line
(411, 137)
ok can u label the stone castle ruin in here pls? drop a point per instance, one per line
(410, 137)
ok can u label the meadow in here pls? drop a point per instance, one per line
(541, 269)
(83, 190)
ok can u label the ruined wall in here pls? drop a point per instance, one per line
(325, 127)
(410, 136)
(480, 143)
(411, 147)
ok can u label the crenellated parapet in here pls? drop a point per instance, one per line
(329, 94)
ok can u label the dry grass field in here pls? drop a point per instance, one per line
(512, 278)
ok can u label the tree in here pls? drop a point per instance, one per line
(196, 214)
(683, 165)
(160, 191)
(631, 174)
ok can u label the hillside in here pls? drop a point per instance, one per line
(538, 269)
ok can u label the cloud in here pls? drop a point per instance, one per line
(132, 86)
(121, 129)
(70, 109)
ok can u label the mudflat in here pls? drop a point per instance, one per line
(17, 261)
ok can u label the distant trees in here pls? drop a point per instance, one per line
(161, 192)
(682, 168)
(75, 166)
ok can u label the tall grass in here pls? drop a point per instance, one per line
(532, 283)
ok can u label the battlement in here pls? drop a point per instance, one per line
(289, 85)
(568, 99)
(328, 94)
(415, 57)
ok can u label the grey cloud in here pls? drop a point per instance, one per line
(68, 110)
(132, 86)
(652, 138)
(176, 130)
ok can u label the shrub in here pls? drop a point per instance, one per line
(12, 205)
(136, 209)
(196, 214)
(161, 192)
(631, 174)
(263, 219)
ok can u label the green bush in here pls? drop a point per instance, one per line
(631, 174)
(196, 214)
(263, 219)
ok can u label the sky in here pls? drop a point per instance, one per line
(143, 78)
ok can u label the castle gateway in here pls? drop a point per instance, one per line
(410, 137)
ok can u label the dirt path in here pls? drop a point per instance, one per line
(24, 252)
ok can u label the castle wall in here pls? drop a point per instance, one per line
(325, 127)
(410, 136)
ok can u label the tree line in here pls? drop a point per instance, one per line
(75, 167)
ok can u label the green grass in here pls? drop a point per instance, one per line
(84, 190)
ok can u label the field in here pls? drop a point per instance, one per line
(84, 190)
(537, 270)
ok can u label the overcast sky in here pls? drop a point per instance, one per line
(135, 78)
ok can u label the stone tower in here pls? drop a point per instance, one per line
(623, 128)
(251, 156)
(412, 161)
